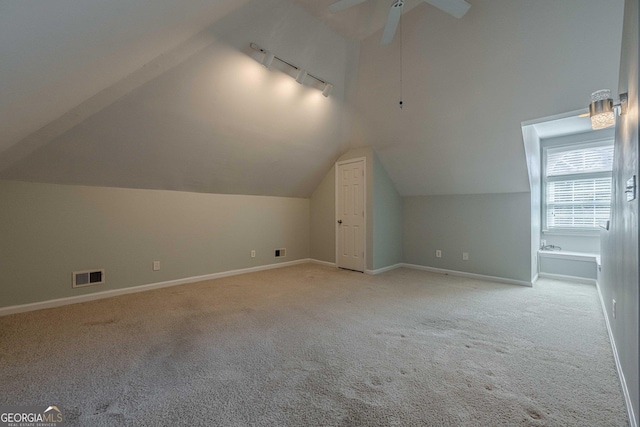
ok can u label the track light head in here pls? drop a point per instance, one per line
(268, 59)
(328, 87)
(302, 74)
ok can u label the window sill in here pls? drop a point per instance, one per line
(569, 255)
(585, 233)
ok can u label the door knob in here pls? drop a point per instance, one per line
(339, 221)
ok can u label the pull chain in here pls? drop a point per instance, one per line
(401, 103)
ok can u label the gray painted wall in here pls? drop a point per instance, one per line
(323, 214)
(569, 267)
(387, 219)
(50, 230)
(620, 278)
(493, 228)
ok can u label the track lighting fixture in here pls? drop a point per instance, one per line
(302, 74)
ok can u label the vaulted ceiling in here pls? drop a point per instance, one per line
(168, 95)
(358, 22)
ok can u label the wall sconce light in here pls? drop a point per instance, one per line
(602, 110)
(269, 57)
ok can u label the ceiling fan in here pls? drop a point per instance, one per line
(456, 8)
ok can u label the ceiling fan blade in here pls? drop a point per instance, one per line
(344, 4)
(392, 22)
(455, 8)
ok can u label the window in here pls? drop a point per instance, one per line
(577, 186)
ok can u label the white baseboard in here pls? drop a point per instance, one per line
(383, 269)
(469, 275)
(623, 382)
(535, 279)
(325, 263)
(567, 278)
(372, 272)
(5, 311)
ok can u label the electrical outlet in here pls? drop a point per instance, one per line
(253, 254)
(438, 253)
(465, 256)
(156, 265)
(614, 308)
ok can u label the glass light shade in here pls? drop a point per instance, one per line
(602, 121)
(601, 110)
(601, 95)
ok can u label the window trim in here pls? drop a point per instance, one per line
(600, 142)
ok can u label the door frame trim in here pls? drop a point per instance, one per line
(364, 201)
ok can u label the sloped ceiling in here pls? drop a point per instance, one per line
(167, 95)
(205, 115)
(357, 22)
(468, 84)
(58, 53)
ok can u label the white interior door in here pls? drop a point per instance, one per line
(350, 208)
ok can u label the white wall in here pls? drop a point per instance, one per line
(49, 230)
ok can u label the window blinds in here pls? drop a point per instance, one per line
(578, 186)
(561, 161)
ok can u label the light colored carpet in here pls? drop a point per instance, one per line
(311, 345)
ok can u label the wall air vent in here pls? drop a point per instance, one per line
(88, 278)
(280, 253)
